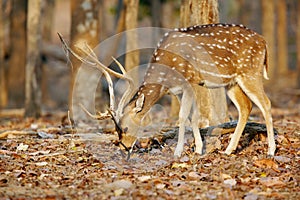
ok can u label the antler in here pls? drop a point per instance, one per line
(127, 93)
(93, 61)
(98, 116)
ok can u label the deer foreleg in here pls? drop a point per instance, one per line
(185, 108)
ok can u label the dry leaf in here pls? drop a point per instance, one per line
(251, 196)
(179, 165)
(194, 175)
(184, 159)
(118, 192)
(160, 186)
(245, 180)
(97, 170)
(39, 152)
(144, 178)
(22, 147)
(282, 159)
(231, 182)
(41, 163)
(266, 163)
(271, 181)
(225, 176)
(125, 184)
(212, 144)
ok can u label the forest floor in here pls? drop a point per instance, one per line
(45, 159)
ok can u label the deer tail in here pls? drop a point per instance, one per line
(266, 63)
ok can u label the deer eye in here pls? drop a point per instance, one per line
(125, 129)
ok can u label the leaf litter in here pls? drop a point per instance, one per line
(50, 161)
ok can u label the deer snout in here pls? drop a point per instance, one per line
(127, 142)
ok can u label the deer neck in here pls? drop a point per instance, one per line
(146, 96)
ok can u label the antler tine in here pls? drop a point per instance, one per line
(90, 50)
(93, 57)
(127, 93)
(91, 54)
(96, 63)
(124, 73)
(101, 116)
(72, 52)
(119, 65)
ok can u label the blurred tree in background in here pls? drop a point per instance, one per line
(277, 20)
(298, 44)
(17, 54)
(33, 60)
(3, 92)
(84, 30)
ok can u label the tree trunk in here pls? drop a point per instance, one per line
(156, 13)
(268, 31)
(205, 12)
(47, 18)
(17, 60)
(107, 18)
(298, 43)
(47, 30)
(33, 62)
(248, 13)
(156, 19)
(120, 17)
(132, 59)
(244, 14)
(282, 51)
(84, 29)
(170, 18)
(3, 92)
(184, 13)
(211, 102)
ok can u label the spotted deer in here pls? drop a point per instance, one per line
(212, 56)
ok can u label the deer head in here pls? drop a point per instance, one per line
(125, 142)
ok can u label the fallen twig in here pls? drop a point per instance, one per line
(15, 132)
(57, 153)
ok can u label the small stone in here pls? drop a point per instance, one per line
(231, 182)
(160, 186)
(282, 159)
(125, 184)
(144, 178)
(22, 147)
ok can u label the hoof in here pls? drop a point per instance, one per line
(177, 152)
(199, 151)
(271, 153)
(227, 151)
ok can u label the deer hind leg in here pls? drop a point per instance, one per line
(259, 98)
(196, 132)
(244, 106)
(184, 112)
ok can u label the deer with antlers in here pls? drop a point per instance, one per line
(212, 56)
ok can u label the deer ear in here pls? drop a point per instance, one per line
(139, 103)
